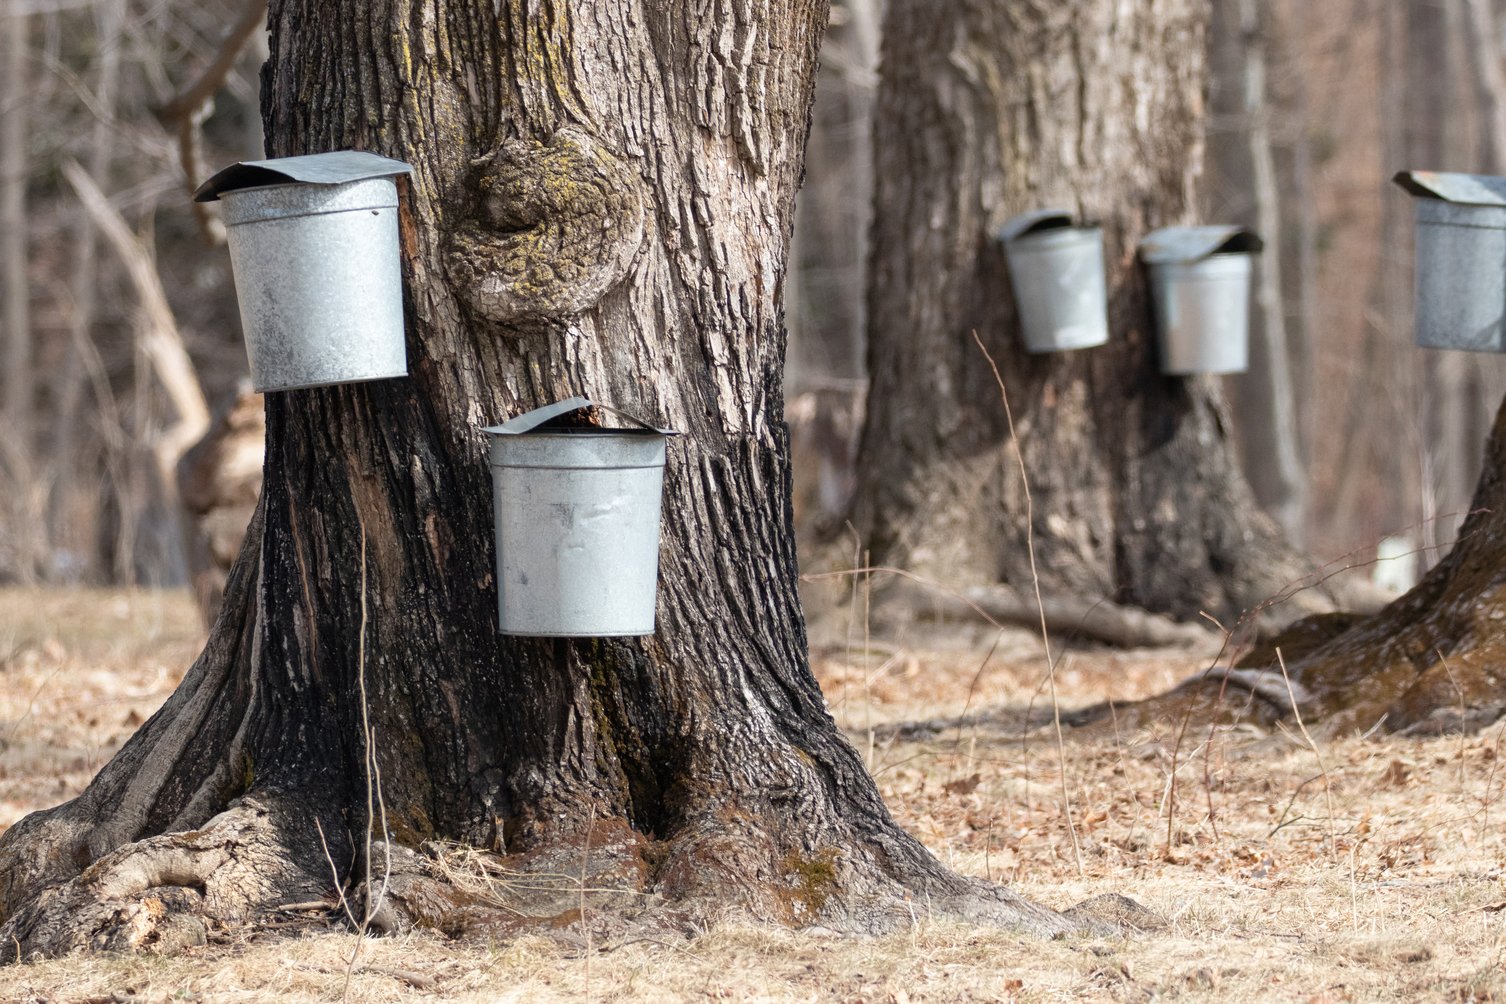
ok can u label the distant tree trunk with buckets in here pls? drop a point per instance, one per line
(573, 225)
(1431, 662)
(987, 112)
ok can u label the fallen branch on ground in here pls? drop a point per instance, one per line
(1128, 627)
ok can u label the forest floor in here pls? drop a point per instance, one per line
(1289, 867)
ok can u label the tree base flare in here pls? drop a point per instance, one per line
(595, 900)
(255, 864)
(169, 892)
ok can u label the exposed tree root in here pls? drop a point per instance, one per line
(1078, 618)
(1432, 661)
(1433, 675)
(256, 860)
(627, 886)
(166, 892)
(1068, 616)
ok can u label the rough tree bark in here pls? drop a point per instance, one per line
(601, 203)
(1435, 660)
(987, 109)
(1429, 663)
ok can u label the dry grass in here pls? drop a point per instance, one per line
(1393, 893)
(79, 671)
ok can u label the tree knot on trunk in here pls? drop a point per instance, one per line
(555, 225)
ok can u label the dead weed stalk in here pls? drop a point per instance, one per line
(376, 805)
(1040, 603)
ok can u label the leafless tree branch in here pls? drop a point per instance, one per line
(185, 114)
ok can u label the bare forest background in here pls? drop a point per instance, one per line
(119, 335)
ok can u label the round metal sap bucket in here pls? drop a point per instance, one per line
(1056, 270)
(1204, 314)
(577, 524)
(1461, 259)
(316, 266)
(1461, 276)
(1200, 288)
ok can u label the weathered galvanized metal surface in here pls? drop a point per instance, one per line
(1056, 270)
(335, 168)
(1464, 189)
(577, 525)
(1203, 314)
(314, 247)
(1184, 245)
(319, 283)
(1461, 260)
(1200, 287)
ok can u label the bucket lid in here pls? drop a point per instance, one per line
(1465, 189)
(530, 421)
(336, 168)
(1185, 245)
(1036, 221)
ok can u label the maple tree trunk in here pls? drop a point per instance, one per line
(1435, 660)
(1428, 663)
(601, 203)
(986, 110)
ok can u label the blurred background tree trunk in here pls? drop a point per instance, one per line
(825, 376)
(16, 461)
(1243, 187)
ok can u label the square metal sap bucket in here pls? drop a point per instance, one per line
(1056, 270)
(577, 524)
(1461, 260)
(1200, 288)
(314, 248)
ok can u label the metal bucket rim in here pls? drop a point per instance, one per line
(567, 431)
(304, 216)
(1215, 266)
(594, 467)
(1485, 217)
(1041, 240)
(308, 185)
(316, 384)
(270, 214)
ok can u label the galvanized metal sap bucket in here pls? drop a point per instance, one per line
(314, 247)
(1461, 260)
(577, 521)
(1200, 286)
(1056, 269)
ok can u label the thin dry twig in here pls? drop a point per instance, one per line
(373, 771)
(1312, 745)
(585, 866)
(1035, 581)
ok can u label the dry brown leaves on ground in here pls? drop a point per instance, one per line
(1359, 870)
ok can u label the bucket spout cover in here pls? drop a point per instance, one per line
(531, 420)
(1035, 221)
(1185, 245)
(1464, 189)
(336, 168)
